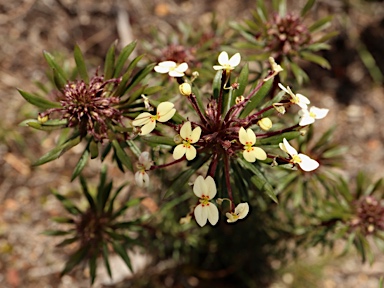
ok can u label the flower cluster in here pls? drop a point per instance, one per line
(225, 135)
(369, 215)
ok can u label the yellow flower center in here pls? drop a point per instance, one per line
(296, 159)
(204, 200)
(248, 146)
(311, 114)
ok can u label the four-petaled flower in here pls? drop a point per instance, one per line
(190, 136)
(241, 211)
(141, 176)
(309, 116)
(171, 68)
(226, 63)
(297, 99)
(305, 162)
(248, 139)
(205, 189)
(165, 111)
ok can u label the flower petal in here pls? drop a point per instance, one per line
(213, 213)
(186, 130)
(243, 136)
(169, 64)
(319, 112)
(179, 151)
(242, 210)
(249, 156)
(141, 179)
(235, 60)
(201, 215)
(231, 217)
(218, 67)
(174, 73)
(161, 69)
(167, 116)
(259, 153)
(307, 163)
(286, 147)
(223, 58)
(190, 153)
(196, 133)
(306, 120)
(148, 128)
(210, 187)
(251, 136)
(182, 68)
(141, 119)
(199, 186)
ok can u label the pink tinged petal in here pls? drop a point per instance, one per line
(210, 187)
(190, 152)
(182, 67)
(249, 156)
(223, 58)
(179, 151)
(243, 136)
(186, 130)
(174, 73)
(235, 60)
(142, 119)
(213, 213)
(218, 67)
(251, 136)
(306, 120)
(242, 210)
(308, 164)
(198, 186)
(195, 136)
(201, 215)
(259, 153)
(148, 128)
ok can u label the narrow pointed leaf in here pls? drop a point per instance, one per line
(80, 164)
(75, 259)
(216, 85)
(121, 60)
(109, 62)
(106, 260)
(121, 155)
(257, 98)
(88, 195)
(68, 205)
(56, 67)
(38, 101)
(92, 267)
(320, 24)
(120, 250)
(80, 64)
(316, 59)
(307, 7)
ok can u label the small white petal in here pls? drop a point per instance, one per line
(186, 130)
(213, 213)
(190, 153)
(251, 136)
(303, 99)
(286, 147)
(319, 112)
(243, 136)
(164, 107)
(223, 58)
(160, 69)
(218, 67)
(141, 119)
(306, 120)
(142, 179)
(182, 67)
(259, 153)
(235, 60)
(308, 164)
(210, 187)
(174, 73)
(179, 151)
(198, 186)
(283, 88)
(231, 217)
(201, 215)
(148, 128)
(169, 64)
(196, 133)
(249, 156)
(242, 210)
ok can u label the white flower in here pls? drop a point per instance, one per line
(276, 68)
(226, 63)
(205, 189)
(241, 211)
(165, 111)
(309, 116)
(297, 99)
(171, 68)
(190, 136)
(141, 176)
(248, 139)
(305, 162)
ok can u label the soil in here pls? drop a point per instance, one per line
(27, 27)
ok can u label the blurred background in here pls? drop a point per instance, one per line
(352, 90)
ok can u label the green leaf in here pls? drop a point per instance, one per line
(125, 53)
(58, 80)
(121, 155)
(299, 74)
(106, 260)
(159, 140)
(130, 203)
(320, 24)
(307, 7)
(80, 164)
(109, 62)
(124, 80)
(88, 195)
(38, 101)
(216, 85)
(316, 59)
(139, 76)
(68, 205)
(243, 81)
(259, 179)
(257, 98)
(94, 149)
(120, 250)
(65, 220)
(92, 267)
(80, 64)
(40, 126)
(75, 259)
(56, 67)
(57, 232)
(67, 241)
(58, 151)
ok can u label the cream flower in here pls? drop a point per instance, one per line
(241, 211)
(189, 137)
(205, 189)
(226, 63)
(248, 139)
(309, 116)
(141, 176)
(305, 162)
(297, 99)
(171, 68)
(165, 111)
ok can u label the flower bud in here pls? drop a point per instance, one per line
(265, 123)
(239, 99)
(185, 89)
(42, 119)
